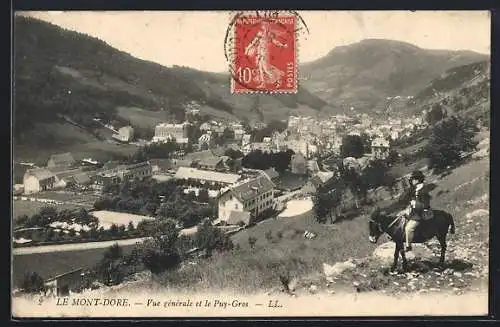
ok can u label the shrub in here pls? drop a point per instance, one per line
(109, 270)
(158, 260)
(448, 140)
(161, 252)
(251, 241)
(32, 283)
(212, 239)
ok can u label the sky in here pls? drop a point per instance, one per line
(196, 39)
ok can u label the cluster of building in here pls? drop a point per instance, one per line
(62, 170)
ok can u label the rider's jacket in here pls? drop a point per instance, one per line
(419, 201)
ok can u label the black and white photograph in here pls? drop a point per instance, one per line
(250, 164)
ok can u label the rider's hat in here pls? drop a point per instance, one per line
(417, 175)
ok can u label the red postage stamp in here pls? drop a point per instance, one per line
(264, 57)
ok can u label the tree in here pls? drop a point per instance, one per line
(436, 114)
(48, 213)
(281, 160)
(50, 234)
(108, 268)
(121, 230)
(113, 230)
(375, 174)
(233, 154)
(212, 239)
(22, 220)
(161, 253)
(203, 196)
(352, 146)
(325, 203)
(449, 138)
(251, 241)
(130, 226)
(367, 142)
(32, 283)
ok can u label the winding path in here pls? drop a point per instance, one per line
(73, 246)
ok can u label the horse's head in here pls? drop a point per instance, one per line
(374, 227)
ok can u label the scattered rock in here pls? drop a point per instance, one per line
(337, 269)
(477, 213)
(457, 274)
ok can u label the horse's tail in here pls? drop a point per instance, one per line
(451, 224)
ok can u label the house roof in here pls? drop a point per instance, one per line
(182, 162)
(210, 176)
(110, 165)
(271, 173)
(325, 176)
(218, 151)
(138, 165)
(252, 188)
(62, 158)
(82, 178)
(211, 161)
(237, 216)
(78, 270)
(316, 181)
(199, 155)
(68, 173)
(164, 164)
(40, 173)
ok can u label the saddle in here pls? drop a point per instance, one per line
(427, 214)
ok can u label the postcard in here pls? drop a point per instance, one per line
(250, 164)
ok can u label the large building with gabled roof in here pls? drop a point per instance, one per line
(253, 196)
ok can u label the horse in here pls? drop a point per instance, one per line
(438, 226)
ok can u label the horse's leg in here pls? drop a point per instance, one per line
(403, 257)
(397, 249)
(442, 243)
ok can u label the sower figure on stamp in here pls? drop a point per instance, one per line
(419, 206)
(258, 47)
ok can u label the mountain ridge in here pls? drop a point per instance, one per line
(363, 74)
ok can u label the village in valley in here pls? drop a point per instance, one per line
(240, 174)
(136, 177)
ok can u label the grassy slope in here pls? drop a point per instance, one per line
(249, 270)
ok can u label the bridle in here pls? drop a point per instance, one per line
(379, 225)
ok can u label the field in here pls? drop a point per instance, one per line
(65, 196)
(31, 207)
(51, 264)
(107, 218)
(53, 138)
(142, 118)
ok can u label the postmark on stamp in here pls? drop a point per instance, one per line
(261, 48)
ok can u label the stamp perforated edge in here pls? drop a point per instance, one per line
(296, 61)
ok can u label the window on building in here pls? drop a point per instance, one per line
(236, 205)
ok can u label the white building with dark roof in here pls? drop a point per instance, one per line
(37, 180)
(125, 134)
(253, 196)
(209, 179)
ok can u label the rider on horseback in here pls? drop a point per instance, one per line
(419, 205)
